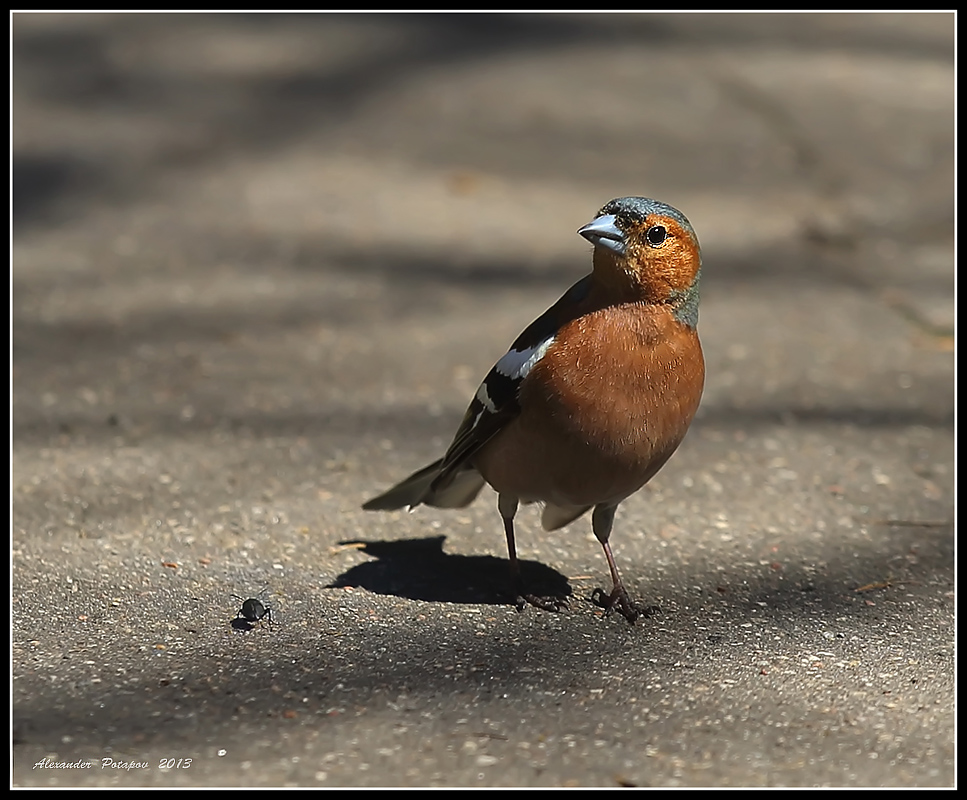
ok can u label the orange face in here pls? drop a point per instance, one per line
(647, 251)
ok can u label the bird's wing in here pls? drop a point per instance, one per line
(497, 400)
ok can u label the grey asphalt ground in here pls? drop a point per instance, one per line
(260, 264)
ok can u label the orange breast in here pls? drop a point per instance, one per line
(602, 411)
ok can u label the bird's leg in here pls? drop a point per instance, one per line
(601, 521)
(508, 508)
(507, 505)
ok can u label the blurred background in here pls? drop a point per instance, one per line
(261, 262)
(197, 180)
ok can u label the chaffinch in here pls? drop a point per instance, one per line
(592, 398)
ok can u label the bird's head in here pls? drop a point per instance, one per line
(648, 252)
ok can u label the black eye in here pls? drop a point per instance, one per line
(655, 235)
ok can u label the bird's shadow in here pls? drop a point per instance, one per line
(419, 569)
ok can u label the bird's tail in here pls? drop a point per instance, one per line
(458, 490)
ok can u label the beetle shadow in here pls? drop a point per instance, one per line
(419, 569)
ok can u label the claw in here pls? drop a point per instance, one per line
(618, 597)
(551, 603)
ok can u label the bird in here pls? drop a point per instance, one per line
(591, 399)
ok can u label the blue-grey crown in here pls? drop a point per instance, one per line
(637, 208)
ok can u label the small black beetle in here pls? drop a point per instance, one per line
(252, 610)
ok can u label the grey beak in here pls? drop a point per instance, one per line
(604, 232)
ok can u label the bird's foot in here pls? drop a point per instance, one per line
(550, 603)
(619, 599)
